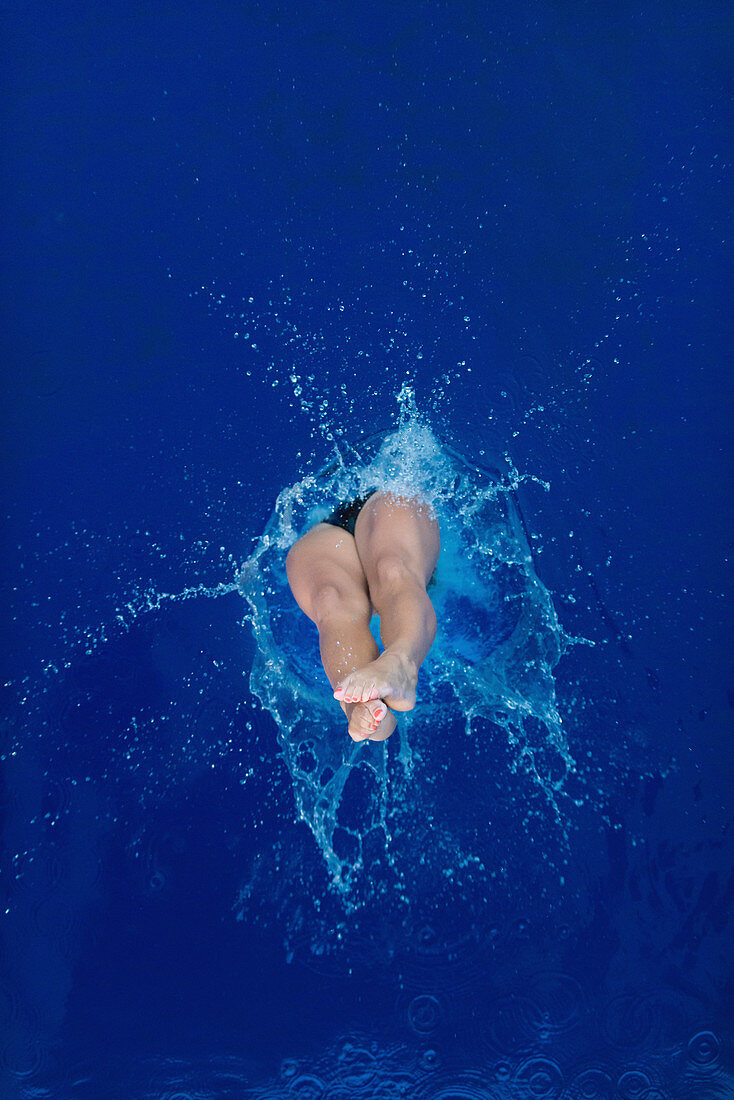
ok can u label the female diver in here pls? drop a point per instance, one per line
(375, 554)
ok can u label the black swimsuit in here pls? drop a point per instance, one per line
(345, 514)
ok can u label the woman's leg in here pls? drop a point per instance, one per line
(329, 585)
(398, 544)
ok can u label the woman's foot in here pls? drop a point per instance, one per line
(391, 678)
(372, 721)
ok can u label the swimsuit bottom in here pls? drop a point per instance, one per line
(345, 514)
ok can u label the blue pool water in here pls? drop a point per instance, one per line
(259, 257)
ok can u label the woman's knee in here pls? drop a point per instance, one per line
(391, 572)
(327, 580)
(331, 600)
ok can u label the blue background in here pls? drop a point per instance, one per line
(536, 191)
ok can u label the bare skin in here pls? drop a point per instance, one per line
(339, 580)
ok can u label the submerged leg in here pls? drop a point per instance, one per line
(329, 585)
(398, 544)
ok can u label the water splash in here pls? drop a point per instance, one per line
(499, 637)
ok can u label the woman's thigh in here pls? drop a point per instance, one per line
(325, 572)
(391, 528)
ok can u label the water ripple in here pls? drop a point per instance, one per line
(627, 1021)
(23, 1057)
(357, 1068)
(425, 1014)
(559, 1000)
(307, 1087)
(634, 1084)
(703, 1050)
(443, 962)
(539, 1077)
(457, 1085)
(591, 1083)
